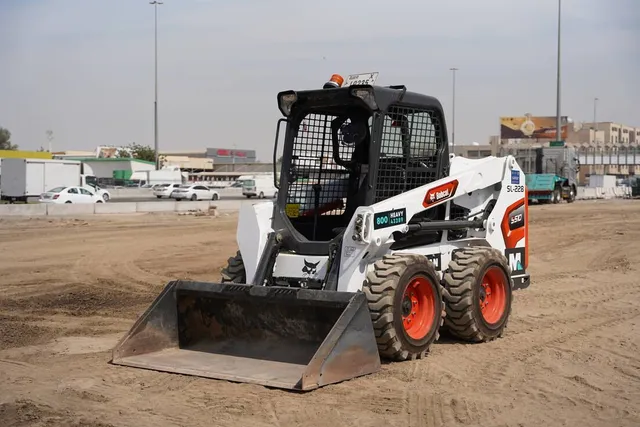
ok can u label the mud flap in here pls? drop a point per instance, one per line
(298, 339)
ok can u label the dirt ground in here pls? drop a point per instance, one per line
(69, 289)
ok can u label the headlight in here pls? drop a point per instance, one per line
(362, 227)
(286, 101)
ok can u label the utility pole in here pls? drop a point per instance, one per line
(233, 157)
(558, 116)
(453, 107)
(155, 103)
(50, 139)
(595, 123)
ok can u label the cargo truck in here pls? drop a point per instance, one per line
(166, 175)
(28, 178)
(551, 173)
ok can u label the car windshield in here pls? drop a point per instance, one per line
(185, 186)
(56, 190)
(249, 183)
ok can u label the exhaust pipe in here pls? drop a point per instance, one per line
(290, 338)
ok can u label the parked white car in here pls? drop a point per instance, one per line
(70, 195)
(164, 190)
(99, 191)
(194, 192)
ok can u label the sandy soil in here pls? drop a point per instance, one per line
(70, 288)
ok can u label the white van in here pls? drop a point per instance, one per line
(259, 185)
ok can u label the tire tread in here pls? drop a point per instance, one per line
(379, 287)
(459, 280)
(234, 272)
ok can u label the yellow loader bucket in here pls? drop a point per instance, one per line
(298, 339)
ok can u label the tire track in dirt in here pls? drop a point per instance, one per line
(562, 345)
(524, 355)
(566, 307)
(426, 405)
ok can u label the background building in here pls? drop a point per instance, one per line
(116, 168)
(215, 158)
(226, 156)
(603, 148)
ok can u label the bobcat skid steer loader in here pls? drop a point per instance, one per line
(377, 240)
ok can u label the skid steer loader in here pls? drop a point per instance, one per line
(378, 240)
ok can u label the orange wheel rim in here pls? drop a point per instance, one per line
(493, 295)
(418, 308)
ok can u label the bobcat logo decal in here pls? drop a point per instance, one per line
(310, 268)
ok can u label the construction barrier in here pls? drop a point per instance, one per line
(592, 193)
(125, 193)
(44, 209)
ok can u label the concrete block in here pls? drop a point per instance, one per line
(193, 206)
(586, 194)
(157, 206)
(70, 209)
(116, 208)
(27, 210)
(124, 193)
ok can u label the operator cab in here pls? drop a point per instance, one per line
(349, 145)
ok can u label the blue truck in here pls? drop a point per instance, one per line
(551, 173)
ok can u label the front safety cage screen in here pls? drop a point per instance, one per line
(409, 151)
(314, 175)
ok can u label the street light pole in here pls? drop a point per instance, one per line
(453, 108)
(595, 123)
(558, 117)
(155, 103)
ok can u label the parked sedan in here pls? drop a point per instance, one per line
(164, 190)
(100, 192)
(194, 192)
(70, 195)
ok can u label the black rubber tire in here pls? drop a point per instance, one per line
(159, 197)
(462, 283)
(234, 271)
(384, 288)
(68, 201)
(261, 195)
(215, 196)
(194, 197)
(572, 195)
(556, 196)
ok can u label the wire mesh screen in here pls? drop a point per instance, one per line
(408, 152)
(316, 181)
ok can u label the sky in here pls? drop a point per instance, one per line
(85, 68)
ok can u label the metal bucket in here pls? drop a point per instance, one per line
(298, 339)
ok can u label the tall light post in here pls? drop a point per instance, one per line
(155, 102)
(50, 139)
(453, 108)
(558, 117)
(595, 123)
